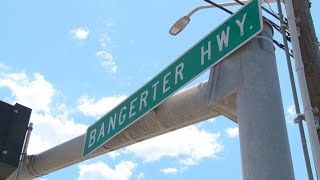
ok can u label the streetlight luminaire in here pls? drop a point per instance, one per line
(179, 25)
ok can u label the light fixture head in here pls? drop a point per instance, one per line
(179, 25)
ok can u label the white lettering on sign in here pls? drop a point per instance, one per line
(130, 110)
(101, 133)
(155, 90)
(224, 39)
(143, 99)
(206, 52)
(112, 122)
(179, 69)
(122, 117)
(165, 82)
(92, 138)
(240, 24)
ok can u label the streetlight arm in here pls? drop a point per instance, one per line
(199, 8)
(232, 3)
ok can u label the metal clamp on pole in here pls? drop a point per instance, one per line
(299, 117)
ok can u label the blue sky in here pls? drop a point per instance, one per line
(72, 61)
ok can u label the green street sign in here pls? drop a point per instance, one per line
(210, 50)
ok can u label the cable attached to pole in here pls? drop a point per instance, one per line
(218, 6)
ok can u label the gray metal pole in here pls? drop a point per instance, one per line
(264, 144)
(24, 151)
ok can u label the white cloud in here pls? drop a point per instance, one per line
(107, 61)
(104, 55)
(80, 33)
(291, 110)
(232, 132)
(104, 35)
(189, 145)
(212, 120)
(290, 114)
(114, 154)
(105, 40)
(122, 171)
(52, 125)
(96, 109)
(52, 129)
(3, 67)
(169, 171)
(140, 176)
(35, 93)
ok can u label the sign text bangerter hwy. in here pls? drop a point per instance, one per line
(219, 43)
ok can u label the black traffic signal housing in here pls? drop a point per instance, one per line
(14, 122)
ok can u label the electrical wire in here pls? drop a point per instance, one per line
(281, 46)
(271, 8)
(218, 6)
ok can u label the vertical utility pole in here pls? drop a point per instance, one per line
(310, 54)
